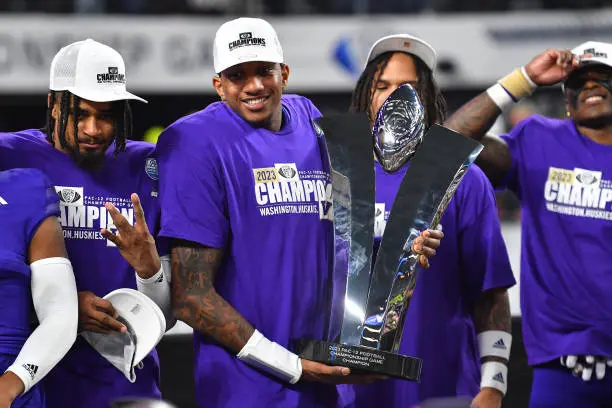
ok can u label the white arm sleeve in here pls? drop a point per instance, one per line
(157, 288)
(55, 300)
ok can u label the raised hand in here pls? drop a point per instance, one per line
(551, 66)
(135, 243)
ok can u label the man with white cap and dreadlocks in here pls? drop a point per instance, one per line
(85, 152)
(459, 320)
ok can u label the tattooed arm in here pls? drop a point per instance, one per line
(195, 300)
(473, 120)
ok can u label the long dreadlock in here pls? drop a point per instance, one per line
(427, 89)
(121, 112)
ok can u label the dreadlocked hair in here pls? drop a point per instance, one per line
(123, 125)
(427, 89)
(121, 112)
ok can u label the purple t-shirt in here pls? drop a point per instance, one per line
(439, 327)
(262, 196)
(27, 198)
(98, 265)
(564, 182)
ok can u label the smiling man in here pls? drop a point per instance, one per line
(561, 170)
(245, 198)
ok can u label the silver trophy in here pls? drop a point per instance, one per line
(377, 298)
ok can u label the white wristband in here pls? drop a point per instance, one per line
(500, 96)
(495, 343)
(531, 83)
(494, 375)
(271, 357)
(157, 288)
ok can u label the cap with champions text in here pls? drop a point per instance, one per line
(245, 39)
(594, 52)
(404, 43)
(90, 70)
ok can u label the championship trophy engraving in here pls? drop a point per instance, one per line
(377, 298)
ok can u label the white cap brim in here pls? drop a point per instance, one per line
(106, 96)
(404, 43)
(249, 54)
(595, 61)
(147, 321)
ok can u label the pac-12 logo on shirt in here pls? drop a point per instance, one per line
(151, 168)
(70, 196)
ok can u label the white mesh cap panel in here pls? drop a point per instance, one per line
(64, 67)
(90, 70)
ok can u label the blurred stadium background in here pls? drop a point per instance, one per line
(167, 45)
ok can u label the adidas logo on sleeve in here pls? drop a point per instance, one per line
(499, 377)
(499, 344)
(32, 369)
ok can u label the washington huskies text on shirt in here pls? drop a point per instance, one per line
(578, 192)
(284, 189)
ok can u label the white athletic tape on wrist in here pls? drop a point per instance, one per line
(157, 287)
(495, 343)
(500, 96)
(271, 357)
(494, 375)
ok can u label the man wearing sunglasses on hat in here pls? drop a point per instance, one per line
(561, 170)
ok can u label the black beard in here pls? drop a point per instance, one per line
(88, 162)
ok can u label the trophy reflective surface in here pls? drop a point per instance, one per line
(377, 298)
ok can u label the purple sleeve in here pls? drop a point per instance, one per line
(514, 140)
(192, 194)
(45, 202)
(483, 251)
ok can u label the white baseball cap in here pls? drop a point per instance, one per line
(145, 318)
(145, 324)
(90, 70)
(245, 39)
(404, 43)
(594, 52)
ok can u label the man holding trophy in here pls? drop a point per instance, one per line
(459, 314)
(252, 265)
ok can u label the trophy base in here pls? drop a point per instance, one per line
(360, 359)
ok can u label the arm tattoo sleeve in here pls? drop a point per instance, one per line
(492, 312)
(196, 302)
(474, 118)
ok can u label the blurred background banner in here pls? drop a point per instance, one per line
(174, 55)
